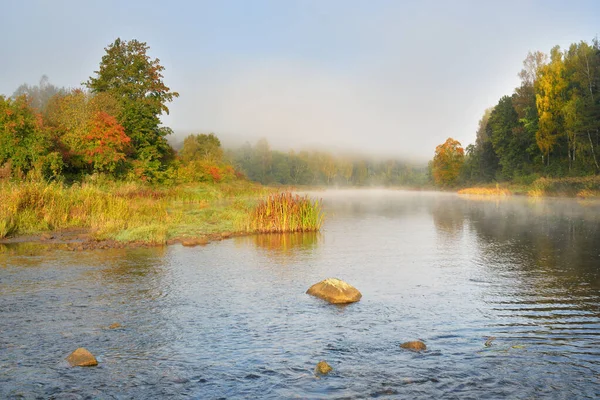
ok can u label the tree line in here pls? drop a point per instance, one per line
(549, 126)
(316, 167)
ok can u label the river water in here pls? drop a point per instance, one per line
(232, 320)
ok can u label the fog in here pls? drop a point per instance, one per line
(386, 78)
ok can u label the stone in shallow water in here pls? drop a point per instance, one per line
(116, 325)
(323, 368)
(415, 345)
(82, 358)
(335, 291)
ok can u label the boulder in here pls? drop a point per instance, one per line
(335, 291)
(415, 345)
(323, 368)
(82, 358)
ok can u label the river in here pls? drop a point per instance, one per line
(232, 320)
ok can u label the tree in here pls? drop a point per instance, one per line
(550, 99)
(130, 75)
(106, 143)
(24, 143)
(38, 95)
(447, 162)
(202, 147)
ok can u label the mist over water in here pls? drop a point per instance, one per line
(231, 320)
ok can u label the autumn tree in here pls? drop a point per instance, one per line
(105, 145)
(447, 162)
(25, 146)
(131, 76)
(550, 99)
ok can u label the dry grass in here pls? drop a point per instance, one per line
(486, 191)
(127, 211)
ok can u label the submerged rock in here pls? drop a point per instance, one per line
(194, 242)
(335, 291)
(415, 345)
(82, 358)
(116, 325)
(323, 368)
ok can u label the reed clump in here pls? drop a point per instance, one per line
(286, 212)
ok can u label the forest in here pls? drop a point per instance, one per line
(548, 127)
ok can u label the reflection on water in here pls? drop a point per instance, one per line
(231, 319)
(283, 243)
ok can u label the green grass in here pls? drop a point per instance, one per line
(130, 212)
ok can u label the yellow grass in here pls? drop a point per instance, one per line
(486, 191)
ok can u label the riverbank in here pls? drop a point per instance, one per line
(116, 214)
(581, 187)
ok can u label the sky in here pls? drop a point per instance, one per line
(387, 78)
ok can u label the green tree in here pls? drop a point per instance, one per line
(202, 147)
(130, 75)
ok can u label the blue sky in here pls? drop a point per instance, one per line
(386, 77)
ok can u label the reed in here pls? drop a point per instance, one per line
(286, 212)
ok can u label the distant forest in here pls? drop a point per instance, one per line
(548, 127)
(267, 166)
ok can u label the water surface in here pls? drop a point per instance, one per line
(231, 320)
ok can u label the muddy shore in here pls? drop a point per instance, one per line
(83, 239)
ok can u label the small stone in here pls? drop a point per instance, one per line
(116, 325)
(82, 358)
(47, 236)
(323, 368)
(226, 235)
(335, 291)
(488, 342)
(415, 345)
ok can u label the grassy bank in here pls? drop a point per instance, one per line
(129, 212)
(583, 187)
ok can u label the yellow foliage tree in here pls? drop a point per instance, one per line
(447, 162)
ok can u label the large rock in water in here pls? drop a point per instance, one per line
(82, 358)
(415, 345)
(335, 291)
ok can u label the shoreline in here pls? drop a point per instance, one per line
(82, 239)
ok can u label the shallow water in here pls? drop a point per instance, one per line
(231, 320)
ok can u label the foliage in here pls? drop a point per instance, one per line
(286, 212)
(447, 162)
(131, 76)
(24, 142)
(202, 147)
(549, 126)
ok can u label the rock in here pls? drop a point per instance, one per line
(82, 358)
(489, 341)
(226, 235)
(194, 242)
(335, 291)
(46, 236)
(323, 368)
(116, 325)
(415, 345)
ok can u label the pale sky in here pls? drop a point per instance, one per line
(390, 78)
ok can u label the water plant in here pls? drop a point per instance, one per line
(286, 212)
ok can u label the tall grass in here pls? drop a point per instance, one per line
(286, 212)
(575, 186)
(126, 211)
